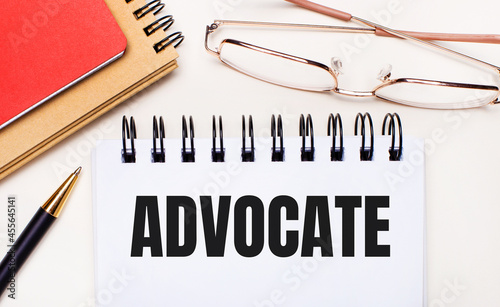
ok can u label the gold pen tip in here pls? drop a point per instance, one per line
(78, 170)
(55, 203)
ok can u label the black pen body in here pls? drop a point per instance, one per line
(24, 245)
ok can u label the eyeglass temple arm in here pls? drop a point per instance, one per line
(337, 14)
(451, 37)
(470, 38)
(220, 22)
(478, 38)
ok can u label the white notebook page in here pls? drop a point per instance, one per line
(258, 275)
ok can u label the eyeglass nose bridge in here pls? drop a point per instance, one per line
(384, 76)
(354, 93)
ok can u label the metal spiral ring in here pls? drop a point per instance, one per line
(175, 38)
(128, 132)
(306, 129)
(278, 155)
(154, 6)
(187, 153)
(365, 154)
(158, 155)
(395, 152)
(164, 22)
(217, 154)
(334, 121)
(247, 155)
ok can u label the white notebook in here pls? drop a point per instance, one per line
(261, 233)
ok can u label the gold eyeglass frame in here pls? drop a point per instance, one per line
(386, 81)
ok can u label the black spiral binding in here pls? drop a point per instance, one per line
(247, 154)
(278, 154)
(217, 153)
(334, 121)
(128, 132)
(306, 129)
(164, 43)
(395, 152)
(165, 22)
(158, 154)
(335, 130)
(187, 154)
(154, 6)
(365, 154)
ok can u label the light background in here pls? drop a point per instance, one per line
(462, 167)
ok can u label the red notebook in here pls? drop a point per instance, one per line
(48, 45)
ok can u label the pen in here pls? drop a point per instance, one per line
(34, 231)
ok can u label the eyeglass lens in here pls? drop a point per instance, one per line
(439, 97)
(274, 68)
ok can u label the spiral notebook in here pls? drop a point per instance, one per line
(261, 221)
(39, 41)
(149, 56)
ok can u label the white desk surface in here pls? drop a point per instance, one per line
(462, 164)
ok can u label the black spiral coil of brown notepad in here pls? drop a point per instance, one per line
(165, 22)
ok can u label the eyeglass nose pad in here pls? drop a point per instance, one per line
(336, 65)
(385, 73)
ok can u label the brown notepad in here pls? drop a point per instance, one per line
(141, 65)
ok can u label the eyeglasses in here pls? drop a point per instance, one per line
(299, 73)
